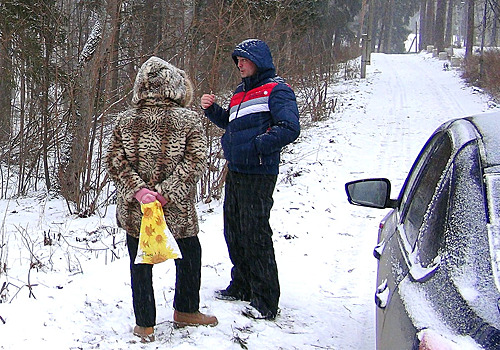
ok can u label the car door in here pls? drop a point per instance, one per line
(395, 329)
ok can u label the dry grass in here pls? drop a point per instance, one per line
(487, 78)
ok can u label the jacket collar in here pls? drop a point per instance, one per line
(257, 79)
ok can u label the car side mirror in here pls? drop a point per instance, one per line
(373, 193)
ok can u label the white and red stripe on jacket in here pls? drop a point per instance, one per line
(247, 102)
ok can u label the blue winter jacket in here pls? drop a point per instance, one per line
(262, 116)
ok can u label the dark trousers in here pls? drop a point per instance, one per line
(247, 206)
(187, 282)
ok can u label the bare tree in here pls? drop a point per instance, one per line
(423, 39)
(449, 24)
(6, 86)
(430, 21)
(439, 27)
(469, 42)
(68, 66)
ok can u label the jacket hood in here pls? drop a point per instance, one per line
(159, 83)
(256, 51)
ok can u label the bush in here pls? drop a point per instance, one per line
(488, 78)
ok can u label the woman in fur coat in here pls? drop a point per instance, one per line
(158, 152)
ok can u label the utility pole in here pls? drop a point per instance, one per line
(366, 42)
(364, 54)
(370, 32)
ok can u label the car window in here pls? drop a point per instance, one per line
(493, 191)
(415, 170)
(423, 183)
(492, 180)
(433, 228)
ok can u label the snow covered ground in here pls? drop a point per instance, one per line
(82, 300)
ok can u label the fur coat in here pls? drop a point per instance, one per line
(160, 145)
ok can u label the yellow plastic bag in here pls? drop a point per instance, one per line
(156, 242)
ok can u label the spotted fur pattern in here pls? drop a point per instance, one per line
(159, 145)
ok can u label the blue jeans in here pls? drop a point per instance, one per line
(187, 283)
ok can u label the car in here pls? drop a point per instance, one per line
(438, 251)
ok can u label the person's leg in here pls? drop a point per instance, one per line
(187, 286)
(239, 286)
(263, 271)
(142, 287)
(188, 275)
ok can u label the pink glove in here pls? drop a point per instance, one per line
(161, 199)
(145, 196)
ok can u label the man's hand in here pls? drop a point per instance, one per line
(207, 100)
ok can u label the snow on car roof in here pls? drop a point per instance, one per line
(488, 126)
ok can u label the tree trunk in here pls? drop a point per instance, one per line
(423, 25)
(6, 86)
(494, 29)
(45, 110)
(114, 92)
(469, 42)
(429, 25)
(22, 153)
(385, 38)
(390, 27)
(440, 25)
(483, 38)
(152, 27)
(448, 38)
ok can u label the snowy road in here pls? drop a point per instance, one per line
(323, 244)
(390, 116)
(404, 99)
(380, 127)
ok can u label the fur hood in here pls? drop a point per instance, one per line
(160, 83)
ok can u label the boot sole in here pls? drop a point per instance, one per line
(178, 325)
(145, 338)
(230, 298)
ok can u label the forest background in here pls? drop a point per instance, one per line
(67, 68)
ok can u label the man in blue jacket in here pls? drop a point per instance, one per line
(261, 119)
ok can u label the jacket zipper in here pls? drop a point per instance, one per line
(236, 117)
(239, 106)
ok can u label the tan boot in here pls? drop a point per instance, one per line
(147, 334)
(183, 319)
